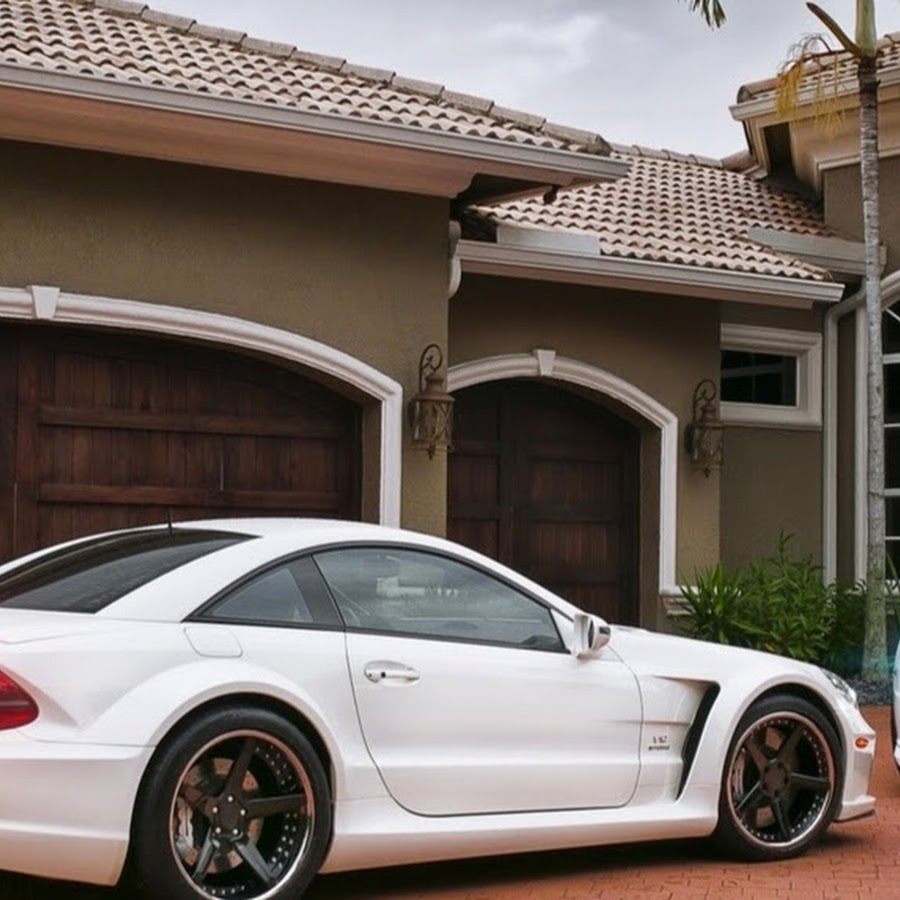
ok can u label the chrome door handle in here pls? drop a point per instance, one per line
(390, 671)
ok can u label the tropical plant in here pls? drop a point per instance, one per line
(791, 608)
(864, 49)
(713, 605)
(778, 604)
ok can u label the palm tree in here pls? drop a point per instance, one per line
(865, 50)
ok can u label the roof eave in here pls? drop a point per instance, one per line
(451, 161)
(640, 275)
(847, 89)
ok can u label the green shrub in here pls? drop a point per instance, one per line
(714, 606)
(844, 651)
(779, 604)
(790, 607)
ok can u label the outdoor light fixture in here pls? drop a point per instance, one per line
(705, 436)
(431, 410)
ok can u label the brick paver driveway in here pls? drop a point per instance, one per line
(856, 860)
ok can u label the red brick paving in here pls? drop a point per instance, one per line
(855, 861)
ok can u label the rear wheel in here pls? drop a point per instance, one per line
(781, 781)
(236, 805)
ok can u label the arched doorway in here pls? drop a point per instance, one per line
(547, 482)
(107, 430)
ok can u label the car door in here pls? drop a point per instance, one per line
(468, 700)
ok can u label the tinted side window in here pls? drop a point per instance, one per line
(90, 575)
(291, 593)
(420, 594)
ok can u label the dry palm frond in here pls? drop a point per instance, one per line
(811, 61)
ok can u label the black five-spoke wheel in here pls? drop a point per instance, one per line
(237, 805)
(780, 784)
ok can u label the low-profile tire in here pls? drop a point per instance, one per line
(781, 782)
(236, 804)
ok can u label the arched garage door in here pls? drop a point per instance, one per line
(104, 430)
(547, 482)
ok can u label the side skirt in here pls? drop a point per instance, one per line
(377, 832)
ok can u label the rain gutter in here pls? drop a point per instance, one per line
(566, 165)
(633, 274)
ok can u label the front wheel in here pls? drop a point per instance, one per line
(237, 805)
(781, 780)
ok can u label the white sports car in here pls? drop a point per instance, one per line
(230, 707)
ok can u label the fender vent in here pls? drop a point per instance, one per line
(692, 741)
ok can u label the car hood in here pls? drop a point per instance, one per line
(672, 656)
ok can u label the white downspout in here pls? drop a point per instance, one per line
(830, 412)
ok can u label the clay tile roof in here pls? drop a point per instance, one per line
(672, 208)
(888, 59)
(123, 41)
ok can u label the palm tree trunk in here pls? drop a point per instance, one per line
(875, 664)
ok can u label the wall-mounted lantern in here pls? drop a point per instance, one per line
(431, 410)
(705, 436)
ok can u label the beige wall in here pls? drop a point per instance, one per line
(771, 484)
(362, 271)
(662, 345)
(843, 205)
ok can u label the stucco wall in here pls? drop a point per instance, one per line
(362, 271)
(843, 205)
(771, 484)
(662, 345)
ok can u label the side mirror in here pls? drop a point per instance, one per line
(590, 634)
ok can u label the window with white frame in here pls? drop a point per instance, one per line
(890, 344)
(770, 377)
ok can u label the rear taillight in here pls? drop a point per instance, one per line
(16, 707)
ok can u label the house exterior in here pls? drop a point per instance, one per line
(221, 259)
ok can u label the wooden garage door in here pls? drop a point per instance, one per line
(546, 482)
(101, 431)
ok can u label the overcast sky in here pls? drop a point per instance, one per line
(637, 71)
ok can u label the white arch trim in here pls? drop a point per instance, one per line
(545, 363)
(52, 304)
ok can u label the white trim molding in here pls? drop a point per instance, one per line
(556, 265)
(836, 255)
(529, 365)
(51, 304)
(806, 346)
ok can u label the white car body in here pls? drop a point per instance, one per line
(546, 750)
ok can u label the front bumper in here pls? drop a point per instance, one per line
(65, 809)
(856, 801)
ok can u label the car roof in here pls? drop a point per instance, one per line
(302, 529)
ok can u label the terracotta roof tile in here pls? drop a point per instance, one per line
(674, 209)
(888, 59)
(129, 42)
